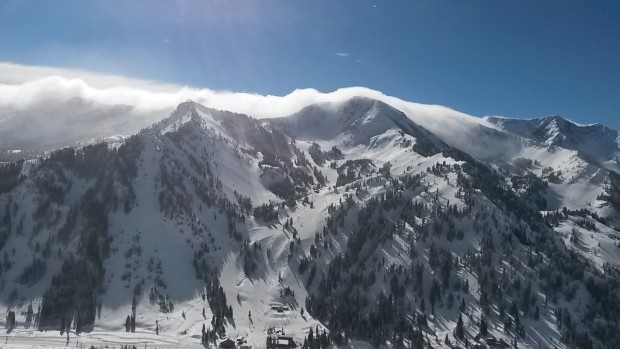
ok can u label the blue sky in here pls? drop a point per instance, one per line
(501, 57)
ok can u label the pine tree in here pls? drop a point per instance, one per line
(435, 294)
(29, 315)
(128, 324)
(68, 325)
(133, 324)
(459, 332)
(310, 338)
(78, 324)
(450, 300)
(483, 327)
(515, 343)
(134, 305)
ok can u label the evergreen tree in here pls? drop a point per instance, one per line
(128, 324)
(483, 327)
(459, 332)
(133, 324)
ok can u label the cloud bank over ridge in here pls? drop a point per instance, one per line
(25, 88)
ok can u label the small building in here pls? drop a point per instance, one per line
(227, 343)
(277, 341)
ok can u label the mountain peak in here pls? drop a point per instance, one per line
(346, 112)
(355, 120)
(595, 142)
(187, 108)
(184, 112)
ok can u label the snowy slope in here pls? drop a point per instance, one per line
(352, 218)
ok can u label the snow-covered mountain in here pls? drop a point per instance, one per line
(350, 223)
(354, 122)
(595, 143)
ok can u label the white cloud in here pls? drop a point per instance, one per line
(26, 86)
(23, 87)
(342, 54)
(15, 74)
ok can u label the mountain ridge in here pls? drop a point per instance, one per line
(361, 119)
(595, 142)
